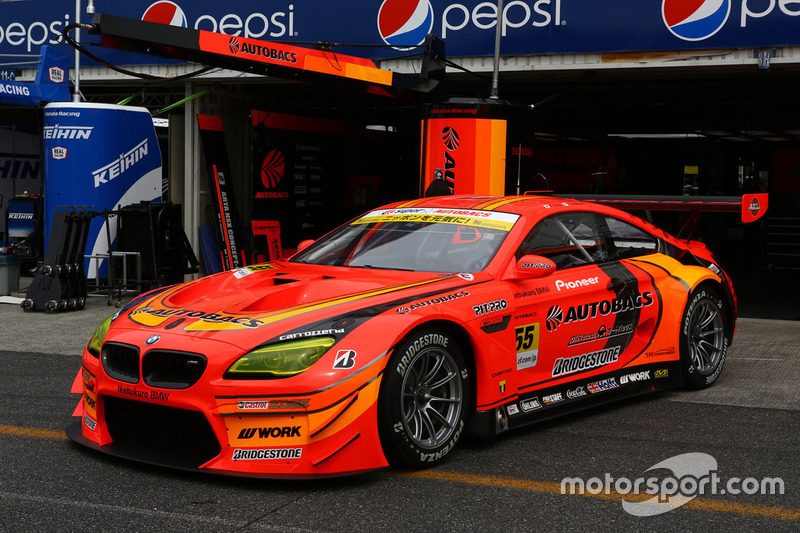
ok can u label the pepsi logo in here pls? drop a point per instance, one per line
(450, 139)
(272, 169)
(164, 12)
(695, 20)
(403, 24)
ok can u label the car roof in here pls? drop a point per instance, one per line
(522, 205)
(530, 206)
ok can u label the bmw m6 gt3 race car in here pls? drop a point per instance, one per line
(389, 339)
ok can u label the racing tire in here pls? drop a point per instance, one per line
(705, 336)
(425, 399)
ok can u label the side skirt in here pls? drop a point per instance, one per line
(552, 402)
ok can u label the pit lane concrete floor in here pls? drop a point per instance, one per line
(749, 421)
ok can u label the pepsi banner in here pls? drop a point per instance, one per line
(101, 156)
(467, 26)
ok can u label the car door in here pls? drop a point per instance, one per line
(627, 245)
(558, 317)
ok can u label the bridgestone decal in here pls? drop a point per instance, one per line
(266, 454)
(585, 362)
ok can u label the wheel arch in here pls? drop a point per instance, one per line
(727, 298)
(462, 337)
(696, 276)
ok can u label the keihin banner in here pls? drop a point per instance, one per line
(102, 156)
(468, 26)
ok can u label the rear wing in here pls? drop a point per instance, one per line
(752, 207)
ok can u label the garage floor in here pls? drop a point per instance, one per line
(749, 422)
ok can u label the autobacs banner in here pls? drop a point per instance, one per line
(102, 156)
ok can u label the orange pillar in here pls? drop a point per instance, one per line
(467, 143)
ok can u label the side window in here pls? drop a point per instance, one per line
(629, 241)
(569, 239)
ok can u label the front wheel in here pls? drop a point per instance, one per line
(425, 398)
(704, 338)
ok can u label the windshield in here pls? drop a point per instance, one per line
(418, 239)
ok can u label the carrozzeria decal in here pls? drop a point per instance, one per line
(315, 333)
(434, 215)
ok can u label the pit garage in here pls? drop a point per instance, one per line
(691, 112)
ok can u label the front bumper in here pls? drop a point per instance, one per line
(278, 428)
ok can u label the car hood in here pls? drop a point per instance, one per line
(262, 301)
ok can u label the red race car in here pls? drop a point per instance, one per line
(395, 335)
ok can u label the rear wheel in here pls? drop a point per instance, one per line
(704, 338)
(425, 398)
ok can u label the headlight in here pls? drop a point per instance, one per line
(97, 337)
(280, 360)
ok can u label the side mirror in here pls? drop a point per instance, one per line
(534, 267)
(304, 244)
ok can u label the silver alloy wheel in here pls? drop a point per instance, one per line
(706, 336)
(432, 398)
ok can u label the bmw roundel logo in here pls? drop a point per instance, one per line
(695, 20)
(403, 24)
(152, 339)
(165, 12)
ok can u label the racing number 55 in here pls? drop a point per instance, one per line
(526, 335)
(527, 345)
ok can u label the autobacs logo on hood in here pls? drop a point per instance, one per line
(200, 315)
